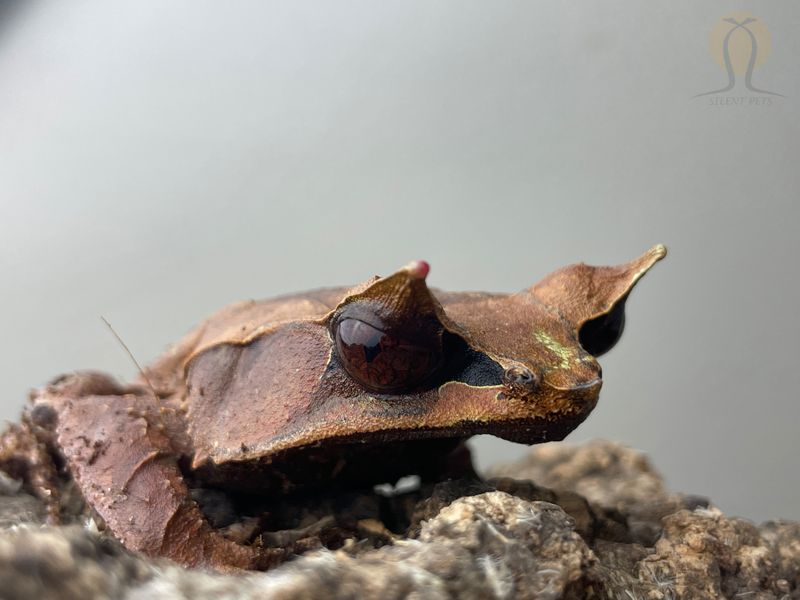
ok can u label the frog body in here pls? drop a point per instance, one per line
(341, 387)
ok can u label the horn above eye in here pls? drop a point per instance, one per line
(381, 358)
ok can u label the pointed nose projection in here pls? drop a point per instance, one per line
(388, 338)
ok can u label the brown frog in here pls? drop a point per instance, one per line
(334, 388)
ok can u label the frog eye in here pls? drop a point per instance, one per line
(381, 361)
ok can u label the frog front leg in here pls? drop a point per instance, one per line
(120, 454)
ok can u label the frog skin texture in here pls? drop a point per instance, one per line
(334, 388)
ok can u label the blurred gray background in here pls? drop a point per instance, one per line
(161, 159)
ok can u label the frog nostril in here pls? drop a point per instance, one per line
(520, 380)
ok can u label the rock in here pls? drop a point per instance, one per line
(488, 546)
(589, 521)
(65, 563)
(608, 475)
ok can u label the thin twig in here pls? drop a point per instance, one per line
(130, 354)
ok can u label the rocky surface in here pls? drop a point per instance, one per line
(597, 523)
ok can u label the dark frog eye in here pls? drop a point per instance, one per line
(382, 360)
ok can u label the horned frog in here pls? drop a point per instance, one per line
(330, 388)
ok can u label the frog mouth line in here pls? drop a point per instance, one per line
(357, 462)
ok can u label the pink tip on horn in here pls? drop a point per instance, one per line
(418, 269)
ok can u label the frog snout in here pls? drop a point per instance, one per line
(520, 381)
